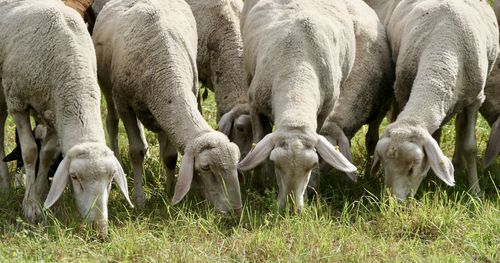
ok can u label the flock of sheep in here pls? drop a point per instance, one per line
(296, 77)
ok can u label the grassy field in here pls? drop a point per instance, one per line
(348, 222)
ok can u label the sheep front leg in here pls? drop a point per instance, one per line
(4, 171)
(31, 202)
(48, 153)
(137, 151)
(168, 155)
(470, 146)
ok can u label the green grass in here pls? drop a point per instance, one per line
(349, 222)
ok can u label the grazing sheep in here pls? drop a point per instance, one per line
(35, 36)
(297, 54)
(491, 107)
(367, 92)
(444, 51)
(220, 65)
(84, 8)
(146, 52)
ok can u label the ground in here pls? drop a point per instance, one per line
(348, 222)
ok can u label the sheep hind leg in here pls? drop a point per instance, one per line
(31, 202)
(169, 158)
(112, 123)
(4, 171)
(458, 157)
(48, 154)
(137, 152)
(470, 147)
(371, 139)
(263, 175)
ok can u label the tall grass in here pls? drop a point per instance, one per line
(345, 222)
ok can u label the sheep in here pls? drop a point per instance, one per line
(220, 66)
(146, 52)
(367, 92)
(491, 108)
(35, 36)
(84, 8)
(297, 54)
(443, 52)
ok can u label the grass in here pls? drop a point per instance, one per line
(349, 222)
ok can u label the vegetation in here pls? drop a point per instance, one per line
(348, 221)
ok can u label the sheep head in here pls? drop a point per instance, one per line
(294, 154)
(213, 159)
(407, 154)
(237, 125)
(91, 168)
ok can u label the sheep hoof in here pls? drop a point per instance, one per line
(139, 200)
(32, 211)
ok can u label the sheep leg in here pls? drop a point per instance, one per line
(31, 202)
(168, 155)
(371, 139)
(470, 147)
(48, 153)
(112, 122)
(4, 172)
(458, 157)
(137, 152)
(263, 175)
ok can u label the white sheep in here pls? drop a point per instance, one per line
(491, 107)
(48, 67)
(220, 65)
(146, 52)
(367, 92)
(443, 51)
(297, 54)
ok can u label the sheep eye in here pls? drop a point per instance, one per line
(73, 176)
(205, 167)
(410, 172)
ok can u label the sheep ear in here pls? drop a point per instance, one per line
(332, 156)
(440, 164)
(258, 154)
(345, 149)
(226, 122)
(12, 156)
(59, 182)
(493, 147)
(121, 181)
(381, 145)
(375, 165)
(185, 177)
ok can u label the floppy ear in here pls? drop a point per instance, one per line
(14, 155)
(226, 122)
(258, 154)
(381, 145)
(345, 149)
(493, 147)
(121, 181)
(440, 164)
(333, 157)
(185, 177)
(59, 182)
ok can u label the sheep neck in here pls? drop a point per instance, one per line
(78, 114)
(175, 109)
(296, 98)
(431, 99)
